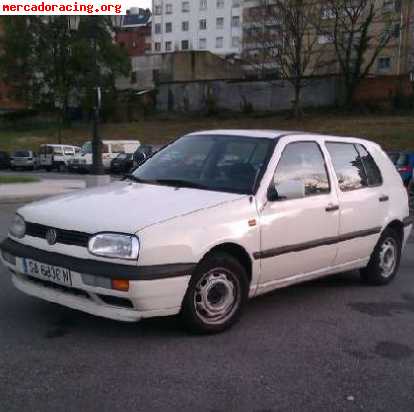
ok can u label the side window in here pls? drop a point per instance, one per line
(348, 166)
(371, 169)
(303, 162)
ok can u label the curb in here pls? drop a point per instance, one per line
(23, 199)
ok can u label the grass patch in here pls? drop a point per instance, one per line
(391, 131)
(4, 180)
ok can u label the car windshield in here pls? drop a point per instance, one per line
(124, 156)
(211, 162)
(87, 148)
(21, 153)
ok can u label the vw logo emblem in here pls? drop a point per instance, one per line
(51, 236)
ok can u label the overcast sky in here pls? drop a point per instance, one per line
(144, 3)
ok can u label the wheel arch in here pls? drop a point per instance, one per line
(398, 227)
(236, 251)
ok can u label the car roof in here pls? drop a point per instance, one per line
(263, 134)
(277, 134)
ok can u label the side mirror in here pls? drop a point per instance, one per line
(289, 189)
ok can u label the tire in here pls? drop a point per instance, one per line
(216, 295)
(48, 169)
(385, 260)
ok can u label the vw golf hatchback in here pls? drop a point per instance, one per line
(211, 220)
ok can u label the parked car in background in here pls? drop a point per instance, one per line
(57, 156)
(4, 160)
(404, 162)
(211, 220)
(123, 163)
(23, 159)
(144, 152)
(110, 150)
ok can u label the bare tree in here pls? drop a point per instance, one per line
(360, 30)
(281, 42)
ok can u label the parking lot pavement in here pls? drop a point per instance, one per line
(332, 345)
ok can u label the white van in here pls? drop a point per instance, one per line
(110, 150)
(57, 156)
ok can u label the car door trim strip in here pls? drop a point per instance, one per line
(300, 247)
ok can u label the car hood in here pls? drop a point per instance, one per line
(121, 207)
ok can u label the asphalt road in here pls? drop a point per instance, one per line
(329, 345)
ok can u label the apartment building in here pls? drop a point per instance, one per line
(393, 18)
(210, 25)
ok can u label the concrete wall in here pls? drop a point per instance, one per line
(234, 96)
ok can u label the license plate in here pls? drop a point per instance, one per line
(44, 271)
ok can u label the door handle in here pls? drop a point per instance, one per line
(332, 208)
(384, 198)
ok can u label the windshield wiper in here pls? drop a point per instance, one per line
(180, 183)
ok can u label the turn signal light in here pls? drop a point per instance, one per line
(121, 285)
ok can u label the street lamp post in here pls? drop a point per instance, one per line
(97, 164)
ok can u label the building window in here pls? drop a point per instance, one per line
(168, 8)
(390, 6)
(220, 4)
(168, 46)
(235, 42)
(384, 64)
(185, 6)
(236, 3)
(325, 39)
(185, 45)
(202, 44)
(203, 4)
(203, 24)
(157, 46)
(168, 27)
(219, 42)
(185, 25)
(327, 13)
(157, 28)
(220, 23)
(235, 21)
(158, 9)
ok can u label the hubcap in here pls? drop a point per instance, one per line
(388, 257)
(217, 295)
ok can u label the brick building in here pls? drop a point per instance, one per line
(134, 32)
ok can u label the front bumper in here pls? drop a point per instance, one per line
(160, 296)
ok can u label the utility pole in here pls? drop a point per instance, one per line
(97, 164)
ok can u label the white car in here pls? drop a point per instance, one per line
(211, 220)
(23, 159)
(110, 150)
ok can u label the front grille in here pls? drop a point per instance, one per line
(67, 237)
(116, 301)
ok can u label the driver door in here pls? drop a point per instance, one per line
(298, 230)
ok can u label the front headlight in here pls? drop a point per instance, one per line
(18, 227)
(114, 246)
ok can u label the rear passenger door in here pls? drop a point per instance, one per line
(362, 198)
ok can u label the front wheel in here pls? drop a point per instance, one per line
(216, 295)
(385, 260)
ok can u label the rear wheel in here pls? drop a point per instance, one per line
(385, 260)
(216, 295)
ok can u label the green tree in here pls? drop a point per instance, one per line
(47, 62)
